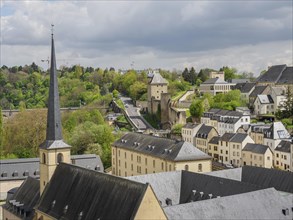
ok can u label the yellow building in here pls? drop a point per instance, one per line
(136, 154)
(257, 155)
(203, 136)
(282, 157)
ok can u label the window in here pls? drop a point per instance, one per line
(113, 151)
(170, 168)
(233, 153)
(138, 159)
(131, 167)
(285, 157)
(119, 172)
(125, 155)
(200, 167)
(118, 153)
(215, 148)
(113, 161)
(146, 161)
(162, 165)
(154, 163)
(59, 158)
(113, 170)
(146, 170)
(125, 165)
(186, 167)
(237, 154)
(125, 173)
(138, 169)
(260, 157)
(226, 152)
(268, 158)
(119, 163)
(131, 157)
(44, 158)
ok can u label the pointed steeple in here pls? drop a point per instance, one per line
(54, 127)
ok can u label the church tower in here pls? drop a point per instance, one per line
(53, 150)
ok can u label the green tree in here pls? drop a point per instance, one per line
(230, 73)
(286, 109)
(1, 129)
(137, 89)
(197, 108)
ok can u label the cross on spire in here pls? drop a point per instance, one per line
(52, 29)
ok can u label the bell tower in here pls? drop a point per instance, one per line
(53, 150)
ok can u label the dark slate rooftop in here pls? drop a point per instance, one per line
(244, 87)
(272, 75)
(257, 90)
(277, 131)
(261, 204)
(256, 148)
(284, 146)
(214, 140)
(280, 180)
(287, 76)
(164, 148)
(19, 169)
(239, 137)
(204, 131)
(227, 136)
(24, 199)
(74, 191)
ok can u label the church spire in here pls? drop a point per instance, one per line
(54, 127)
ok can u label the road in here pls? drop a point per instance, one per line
(134, 115)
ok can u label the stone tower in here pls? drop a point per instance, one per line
(53, 150)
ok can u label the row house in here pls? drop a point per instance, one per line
(230, 147)
(282, 156)
(257, 155)
(137, 154)
(225, 120)
(189, 130)
(258, 90)
(275, 134)
(215, 86)
(203, 136)
(256, 132)
(213, 148)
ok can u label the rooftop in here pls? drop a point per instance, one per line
(256, 148)
(164, 148)
(244, 87)
(284, 146)
(158, 79)
(265, 99)
(280, 74)
(215, 81)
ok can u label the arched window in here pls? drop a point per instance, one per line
(199, 167)
(186, 167)
(44, 158)
(59, 158)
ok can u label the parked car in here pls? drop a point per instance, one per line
(229, 166)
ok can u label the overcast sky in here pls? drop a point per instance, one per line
(247, 35)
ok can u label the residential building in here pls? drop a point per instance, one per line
(258, 90)
(264, 105)
(225, 120)
(217, 74)
(278, 94)
(213, 150)
(245, 88)
(189, 130)
(257, 155)
(203, 136)
(277, 75)
(275, 134)
(230, 147)
(136, 154)
(257, 131)
(214, 86)
(282, 156)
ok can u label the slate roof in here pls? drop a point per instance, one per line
(30, 166)
(190, 125)
(164, 148)
(165, 185)
(284, 146)
(239, 137)
(214, 140)
(256, 148)
(244, 87)
(277, 131)
(265, 99)
(90, 194)
(287, 76)
(204, 131)
(214, 81)
(261, 204)
(24, 199)
(158, 79)
(216, 186)
(233, 174)
(280, 180)
(257, 90)
(227, 136)
(272, 75)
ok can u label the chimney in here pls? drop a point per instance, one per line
(194, 191)
(201, 194)
(285, 211)
(210, 195)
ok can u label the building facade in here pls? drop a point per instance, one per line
(257, 155)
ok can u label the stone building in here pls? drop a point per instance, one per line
(137, 154)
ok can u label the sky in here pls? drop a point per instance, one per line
(247, 35)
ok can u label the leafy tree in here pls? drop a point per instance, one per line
(177, 128)
(1, 129)
(230, 73)
(115, 93)
(137, 90)
(286, 109)
(197, 108)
